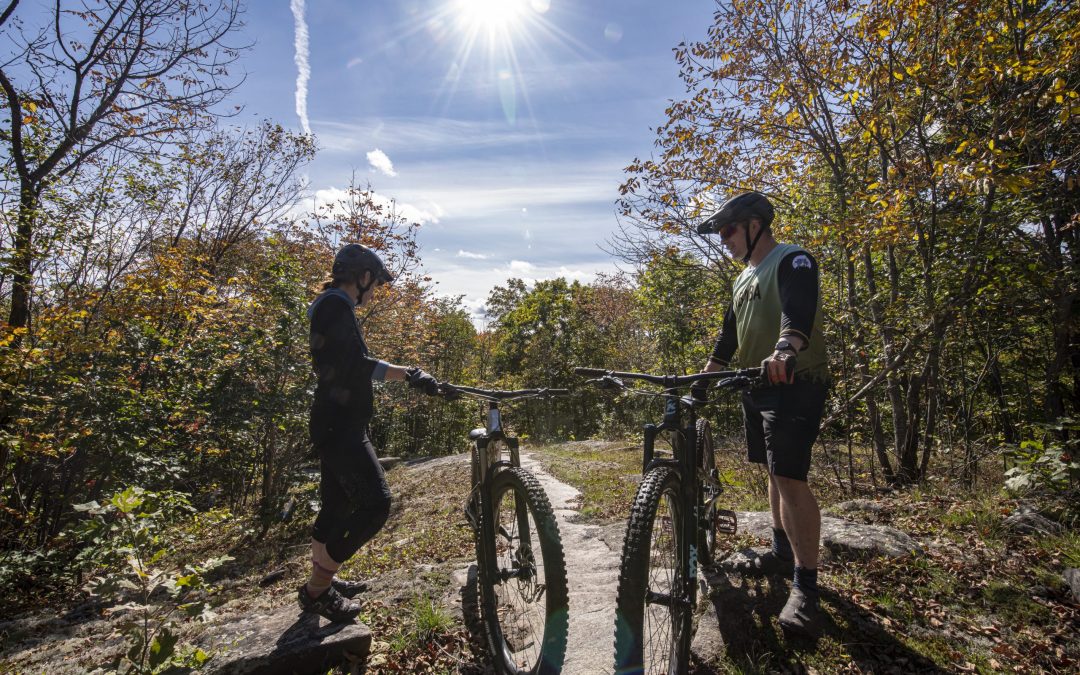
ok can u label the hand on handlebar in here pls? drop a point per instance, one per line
(423, 381)
(779, 368)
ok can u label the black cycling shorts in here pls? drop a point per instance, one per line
(782, 425)
(355, 494)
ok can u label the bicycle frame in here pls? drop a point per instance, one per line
(490, 446)
(680, 421)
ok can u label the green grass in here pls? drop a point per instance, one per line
(603, 473)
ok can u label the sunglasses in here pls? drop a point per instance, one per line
(727, 230)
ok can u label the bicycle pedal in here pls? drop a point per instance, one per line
(725, 522)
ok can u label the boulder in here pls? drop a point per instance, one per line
(389, 462)
(840, 538)
(708, 643)
(1072, 578)
(861, 509)
(285, 641)
(1027, 520)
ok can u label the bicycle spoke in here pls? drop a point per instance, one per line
(660, 641)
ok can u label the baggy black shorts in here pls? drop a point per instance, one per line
(782, 425)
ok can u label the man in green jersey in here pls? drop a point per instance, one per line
(775, 321)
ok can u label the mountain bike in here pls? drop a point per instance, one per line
(522, 605)
(673, 524)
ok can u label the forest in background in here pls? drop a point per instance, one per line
(157, 261)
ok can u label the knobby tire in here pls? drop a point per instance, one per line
(652, 638)
(503, 635)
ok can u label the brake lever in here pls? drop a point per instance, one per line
(609, 382)
(449, 392)
(737, 382)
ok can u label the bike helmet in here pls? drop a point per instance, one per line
(738, 209)
(355, 259)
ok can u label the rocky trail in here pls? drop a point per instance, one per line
(592, 569)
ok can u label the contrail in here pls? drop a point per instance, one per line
(303, 68)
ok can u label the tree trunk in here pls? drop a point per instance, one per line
(931, 377)
(909, 442)
(22, 259)
(863, 367)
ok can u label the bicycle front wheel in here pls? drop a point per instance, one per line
(652, 616)
(524, 587)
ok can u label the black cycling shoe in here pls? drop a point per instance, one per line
(330, 604)
(802, 614)
(349, 588)
(753, 563)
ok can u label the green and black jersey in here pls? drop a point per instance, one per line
(778, 297)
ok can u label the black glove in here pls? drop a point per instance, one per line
(779, 368)
(418, 379)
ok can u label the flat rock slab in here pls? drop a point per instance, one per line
(839, 537)
(285, 641)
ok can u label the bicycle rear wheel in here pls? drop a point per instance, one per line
(652, 618)
(523, 588)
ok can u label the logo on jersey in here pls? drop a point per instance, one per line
(801, 261)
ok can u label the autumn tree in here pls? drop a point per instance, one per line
(115, 74)
(910, 143)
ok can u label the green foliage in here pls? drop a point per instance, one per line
(1048, 467)
(132, 538)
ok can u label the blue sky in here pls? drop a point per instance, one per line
(501, 125)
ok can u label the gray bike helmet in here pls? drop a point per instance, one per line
(738, 209)
(355, 259)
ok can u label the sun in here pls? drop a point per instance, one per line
(495, 38)
(495, 17)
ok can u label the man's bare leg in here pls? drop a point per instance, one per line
(801, 518)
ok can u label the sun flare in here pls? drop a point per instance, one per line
(493, 16)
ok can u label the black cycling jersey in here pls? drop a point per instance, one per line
(340, 357)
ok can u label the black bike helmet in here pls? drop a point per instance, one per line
(738, 209)
(742, 207)
(355, 259)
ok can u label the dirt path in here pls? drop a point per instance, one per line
(592, 568)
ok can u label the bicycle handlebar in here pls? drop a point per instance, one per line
(671, 381)
(448, 390)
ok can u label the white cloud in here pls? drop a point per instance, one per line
(531, 273)
(470, 256)
(303, 67)
(381, 163)
(328, 197)
(473, 282)
(354, 62)
(444, 134)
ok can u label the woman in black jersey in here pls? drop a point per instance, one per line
(353, 488)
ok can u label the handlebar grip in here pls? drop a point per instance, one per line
(590, 372)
